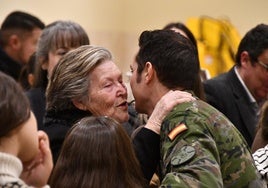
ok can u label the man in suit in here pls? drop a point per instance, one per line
(240, 92)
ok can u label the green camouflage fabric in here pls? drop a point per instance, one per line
(210, 153)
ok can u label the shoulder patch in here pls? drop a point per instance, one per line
(177, 130)
(185, 154)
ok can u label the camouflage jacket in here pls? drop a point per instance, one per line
(200, 147)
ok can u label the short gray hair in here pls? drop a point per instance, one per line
(70, 77)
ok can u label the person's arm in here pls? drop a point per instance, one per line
(146, 140)
(146, 146)
(37, 172)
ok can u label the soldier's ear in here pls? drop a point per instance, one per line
(149, 72)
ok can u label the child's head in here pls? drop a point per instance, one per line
(17, 122)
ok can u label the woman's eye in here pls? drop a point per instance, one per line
(107, 85)
(62, 53)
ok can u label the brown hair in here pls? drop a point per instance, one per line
(57, 35)
(97, 152)
(14, 105)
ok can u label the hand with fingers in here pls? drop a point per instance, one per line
(164, 106)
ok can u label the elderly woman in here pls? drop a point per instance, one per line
(87, 82)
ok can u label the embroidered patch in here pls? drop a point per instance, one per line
(184, 154)
(177, 130)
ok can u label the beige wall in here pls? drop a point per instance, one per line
(116, 24)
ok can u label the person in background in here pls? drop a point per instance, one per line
(108, 160)
(19, 33)
(199, 146)
(86, 82)
(260, 144)
(25, 156)
(240, 93)
(179, 27)
(56, 40)
(26, 78)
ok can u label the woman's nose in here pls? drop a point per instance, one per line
(122, 88)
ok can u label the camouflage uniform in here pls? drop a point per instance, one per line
(200, 147)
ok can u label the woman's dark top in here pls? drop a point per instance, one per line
(57, 124)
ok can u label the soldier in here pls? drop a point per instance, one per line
(199, 146)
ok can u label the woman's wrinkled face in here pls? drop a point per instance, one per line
(107, 92)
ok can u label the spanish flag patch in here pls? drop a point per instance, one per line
(177, 130)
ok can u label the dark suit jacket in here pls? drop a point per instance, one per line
(226, 93)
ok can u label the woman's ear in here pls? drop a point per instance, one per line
(30, 79)
(44, 65)
(44, 62)
(79, 104)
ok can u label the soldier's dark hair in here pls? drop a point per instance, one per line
(173, 57)
(254, 42)
(198, 88)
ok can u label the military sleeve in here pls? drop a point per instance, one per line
(190, 158)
